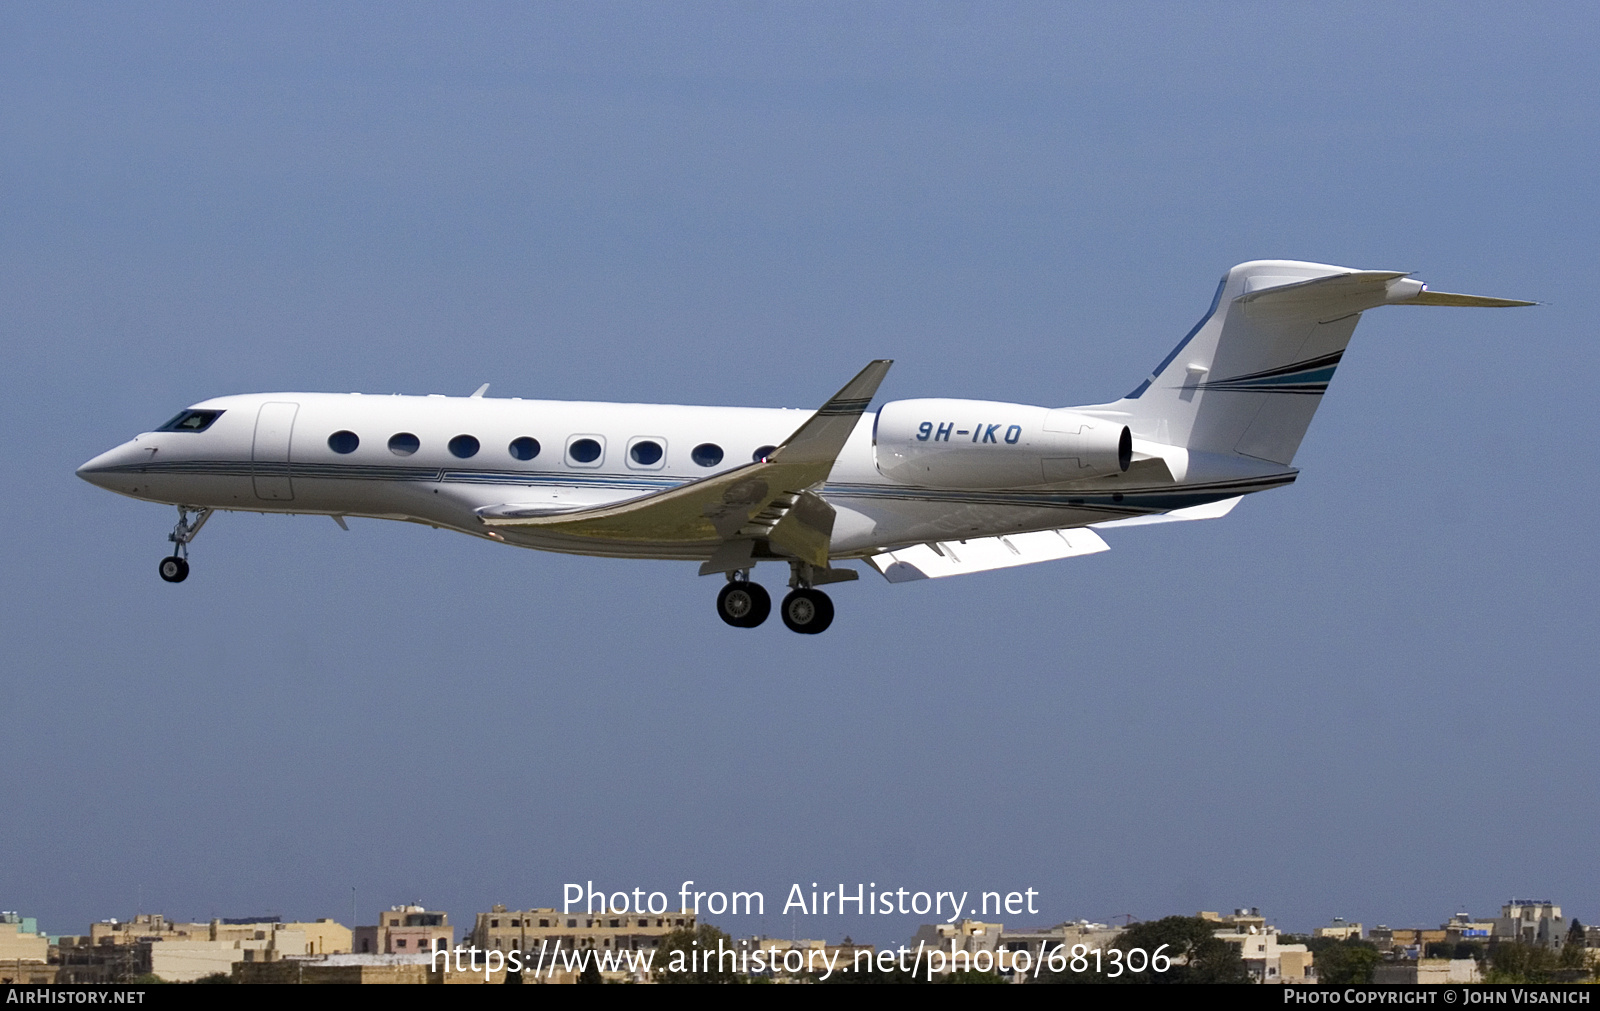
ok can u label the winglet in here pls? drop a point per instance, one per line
(823, 435)
(858, 392)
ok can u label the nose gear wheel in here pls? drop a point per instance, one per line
(175, 567)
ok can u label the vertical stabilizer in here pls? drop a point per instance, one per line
(1248, 378)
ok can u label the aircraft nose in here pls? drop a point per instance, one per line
(95, 471)
(103, 470)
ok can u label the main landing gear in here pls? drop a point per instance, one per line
(807, 611)
(744, 604)
(175, 567)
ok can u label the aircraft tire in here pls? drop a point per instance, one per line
(744, 604)
(807, 611)
(174, 569)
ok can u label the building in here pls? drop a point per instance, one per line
(971, 936)
(1266, 960)
(323, 936)
(142, 928)
(1531, 922)
(1461, 927)
(414, 968)
(404, 930)
(20, 940)
(1040, 942)
(814, 956)
(1339, 929)
(526, 930)
(187, 961)
(178, 952)
(24, 952)
(1407, 942)
(1428, 970)
(23, 972)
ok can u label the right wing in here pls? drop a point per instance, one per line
(938, 559)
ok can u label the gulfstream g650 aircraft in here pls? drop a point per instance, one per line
(918, 489)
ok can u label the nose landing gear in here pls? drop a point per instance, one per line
(175, 567)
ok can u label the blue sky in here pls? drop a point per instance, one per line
(1370, 695)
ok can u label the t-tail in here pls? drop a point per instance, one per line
(1248, 378)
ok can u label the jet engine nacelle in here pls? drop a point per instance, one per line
(985, 444)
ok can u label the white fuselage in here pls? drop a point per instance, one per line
(272, 453)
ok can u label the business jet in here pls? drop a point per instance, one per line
(919, 489)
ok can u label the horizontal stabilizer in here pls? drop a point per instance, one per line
(954, 558)
(1209, 511)
(1360, 289)
(1472, 301)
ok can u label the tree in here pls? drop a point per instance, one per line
(1197, 955)
(1515, 962)
(681, 957)
(972, 976)
(1343, 961)
(1206, 957)
(1575, 952)
(1474, 950)
(849, 975)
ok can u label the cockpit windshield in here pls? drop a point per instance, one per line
(191, 421)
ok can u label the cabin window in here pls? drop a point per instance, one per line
(585, 451)
(707, 454)
(763, 452)
(645, 453)
(524, 448)
(463, 446)
(191, 421)
(343, 442)
(404, 444)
